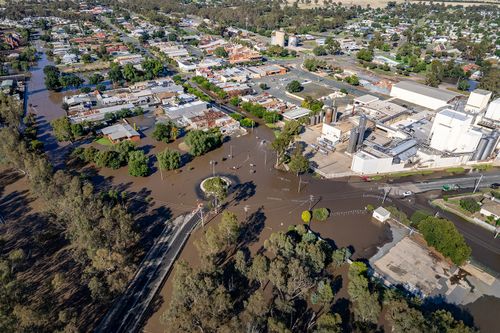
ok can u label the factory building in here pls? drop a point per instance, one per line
(425, 96)
(452, 132)
(379, 159)
(478, 101)
(493, 111)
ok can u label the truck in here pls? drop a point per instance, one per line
(450, 187)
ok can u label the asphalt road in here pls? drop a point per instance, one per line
(127, 39)
(127, 313)
(468, 181)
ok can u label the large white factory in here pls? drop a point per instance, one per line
(419, 127)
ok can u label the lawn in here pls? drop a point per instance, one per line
(104, 141)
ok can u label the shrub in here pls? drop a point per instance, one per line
(306, 216)
(247, 122)
(470, 205)
(236, 116)
(320, 214)
(370, 208)
(418, 216)
(399, 215)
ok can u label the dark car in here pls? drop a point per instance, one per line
(495, 186)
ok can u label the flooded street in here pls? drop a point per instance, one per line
(46, 105)
(266, 197)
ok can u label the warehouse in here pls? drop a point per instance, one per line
(419, 94)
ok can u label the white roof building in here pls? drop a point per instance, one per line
(452, 132)
(296, 113)
(120, 132)
(478, 100)
(493, 111)
(381, 214)
(422, 95)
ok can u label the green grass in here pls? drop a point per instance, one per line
(483, 167)
(410, 173)
(455, 170)
(104, 141)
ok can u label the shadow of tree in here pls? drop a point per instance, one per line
(243, 192)
(252, 228)
(434, 303)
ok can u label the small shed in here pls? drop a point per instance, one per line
(490, 208)
(381, 214)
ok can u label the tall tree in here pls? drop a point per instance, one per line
(168, 160)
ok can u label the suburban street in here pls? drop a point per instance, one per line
(127, 39)
(127, 312)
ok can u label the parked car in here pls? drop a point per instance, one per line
(495, 186)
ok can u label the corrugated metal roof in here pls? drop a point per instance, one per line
(418, 88)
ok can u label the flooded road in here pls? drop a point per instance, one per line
(268, 198)
(46, 105)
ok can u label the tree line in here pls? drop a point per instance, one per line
(97, 225)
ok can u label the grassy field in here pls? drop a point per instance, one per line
(314, 90)
(104, 141)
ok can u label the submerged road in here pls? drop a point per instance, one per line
(127, 313)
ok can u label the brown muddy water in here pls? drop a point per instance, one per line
(268, 197)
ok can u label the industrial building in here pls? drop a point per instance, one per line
(422, 95)
(452, 132)
(387, 137)
(278, 38)
(478, 101)
(493, 111)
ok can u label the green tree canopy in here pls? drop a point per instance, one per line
(294, 86)
(138, 164)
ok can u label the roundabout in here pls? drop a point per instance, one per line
(213, 186)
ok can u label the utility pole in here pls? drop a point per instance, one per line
(311, 199)
(385, 194)
(246, 209)
(265, 157)
(300, 183)
(477, 185)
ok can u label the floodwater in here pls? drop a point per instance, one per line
(46, 105)
(267, 197)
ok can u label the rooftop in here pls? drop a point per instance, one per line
(119, 131)
(418, 88)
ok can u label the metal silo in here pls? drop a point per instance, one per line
(480, 149)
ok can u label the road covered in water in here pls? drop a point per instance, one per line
(270, 199)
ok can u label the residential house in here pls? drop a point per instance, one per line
(120, 132)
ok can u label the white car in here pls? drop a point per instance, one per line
(407, 194)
